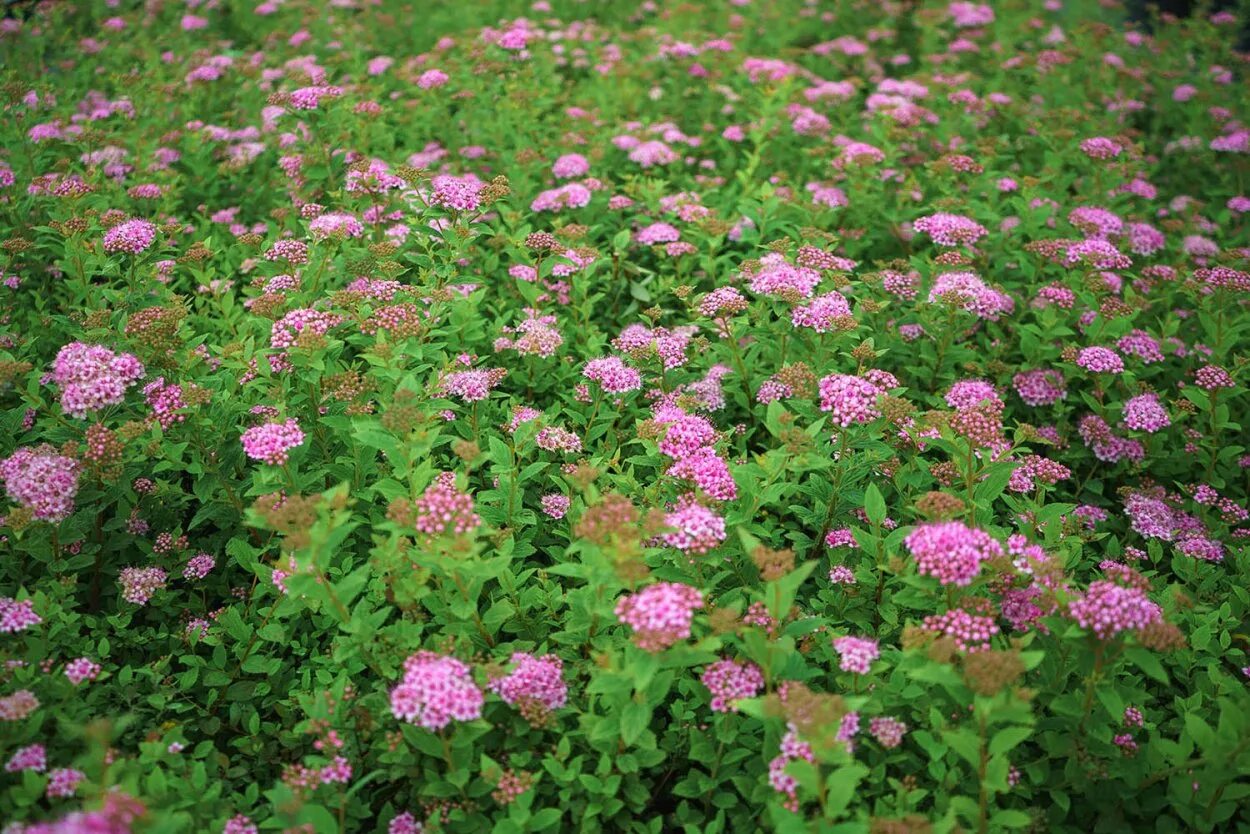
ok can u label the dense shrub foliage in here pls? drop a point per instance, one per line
(636, 417)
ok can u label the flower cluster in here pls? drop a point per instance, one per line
(660, 614)
(436, 690)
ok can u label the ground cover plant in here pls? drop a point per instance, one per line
(626, 417)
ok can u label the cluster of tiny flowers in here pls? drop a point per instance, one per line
(971, 293)
(857, 653)
(239, 824)
(1212, 377)
(471, 386)
(660, 614)
(32, 757)
(404, 823)
(435, 691)
(973, 393)
(139, 584)
(286, 331)
(1150, 517)
(18, 706)
(1100, 147)
(82, 669)
(951, 551)
(1145, 413)
(165, 401)
(1200, 547)
(1105, 444)
(42, 481)
(950, 229)
(557, 439)
(294, 252)
(840, 537)
(511, 785)
(696, 528)
(722, 302)
(335, 225)
(888, 731)
(1040, 387)
(92, 377)
(822, 313)
(732, 680)
(132, 236)
(533, 681)
(17, 616)
(1100, 360)
(63, 782)
(338, 771)
(444, 509)
(1126, 744)
(969, 631)
(852, 399)
(613, 375)
(841, 575)
(781, 278)
(1107, 609)
(272, 442)
(198, 566)
(792, 748)
(708, 471)
(555, 505)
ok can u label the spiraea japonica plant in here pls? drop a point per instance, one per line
(625, 416)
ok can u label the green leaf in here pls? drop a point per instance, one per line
(1010, 818)
(1145, 660)
(634, 719)
(1007, 738)
(874, 504)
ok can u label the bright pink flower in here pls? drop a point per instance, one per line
(436, 690)
(660, 614)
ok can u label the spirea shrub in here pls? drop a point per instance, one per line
(651, 417)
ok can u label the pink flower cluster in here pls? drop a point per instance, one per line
(472, 386)
(272, 442)
(732, 680)
(696, 528)
(950, 229)
(888, 731)
(821, 313)
(42, 481)
(1108, 609)
(1040, 387)
(17, 616)
(31, 757)
(435, 691)
(852, 399)
(132, 236)
(660, 614)
(287, 330)
(971, 632)
(1100, 360)
(613, 375)
(139, 584)
(63, 782)
(82, 669)
(857, 653)
(792, 749)
(443, 509)
(533, 680)
(708, 471)
(92, 377)
(1145, 413)
(951, 551)
(969, 291)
